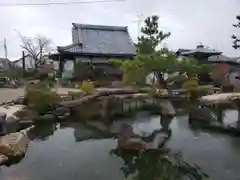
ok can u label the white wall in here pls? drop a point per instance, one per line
(68, 69)
(29, 63)
(94, 59)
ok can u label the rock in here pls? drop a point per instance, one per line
(26, 114)
(12, 124)
(67, 114)
(98, 125)
(46, 117)
(14, 144)
(61, 117)
(59, 111)
(203, 114)
(3, 126)
(167, 108)
(11, 110)
(19, 100)
(158, 140)
(3, 159)
(24, 123)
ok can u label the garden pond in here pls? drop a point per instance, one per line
(63, 151)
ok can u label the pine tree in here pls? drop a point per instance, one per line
(236, 39)
(151, 36)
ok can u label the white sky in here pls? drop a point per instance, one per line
(190, 21)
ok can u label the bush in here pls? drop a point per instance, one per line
(87, 87)
(190, 84)
(40, 100)
(196, 90)
(76, 95)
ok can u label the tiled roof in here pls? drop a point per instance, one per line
(199, 49)
(95, 39)
(222, 58)
(202, 50)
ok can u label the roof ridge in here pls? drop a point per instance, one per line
(69, 46)
(100, 27)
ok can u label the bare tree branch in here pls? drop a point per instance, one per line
(36, 47)
(236, 39)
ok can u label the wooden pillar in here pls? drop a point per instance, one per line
(23, 63)
(61, 64)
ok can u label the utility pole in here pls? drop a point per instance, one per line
(5, 48)
(139, 21)
(6, 55)
(23, 62)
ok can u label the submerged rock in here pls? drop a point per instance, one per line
(202, 114)
(129, 140)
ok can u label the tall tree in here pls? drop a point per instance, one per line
(151, 36)
(236, 39)
(36, 47)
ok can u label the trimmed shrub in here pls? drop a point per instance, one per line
(190, 84)
(76, 95)
(40, 100)
(87, 87)
(196, 90)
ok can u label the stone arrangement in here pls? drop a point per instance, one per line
(13, 145)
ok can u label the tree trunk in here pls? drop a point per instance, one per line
(162, 82)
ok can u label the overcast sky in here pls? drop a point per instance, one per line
(190, 21)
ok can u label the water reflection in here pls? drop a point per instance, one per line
(157, 164)
(81, 132)
(63, 152)
(42, 131)
(14, 160)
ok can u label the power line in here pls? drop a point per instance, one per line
(57, 3)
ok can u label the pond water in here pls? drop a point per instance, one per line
(59, 152)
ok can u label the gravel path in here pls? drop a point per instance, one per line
(7, 94)
(12, 94)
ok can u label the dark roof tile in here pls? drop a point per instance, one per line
(96, 39)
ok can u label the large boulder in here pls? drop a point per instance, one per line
(201, 114)
(167, 108)
(14, 144)
(12, 121)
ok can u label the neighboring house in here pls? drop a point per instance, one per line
(95, 44)
(5, 65)
(29, 63)
(225, 71)
(201, 53)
